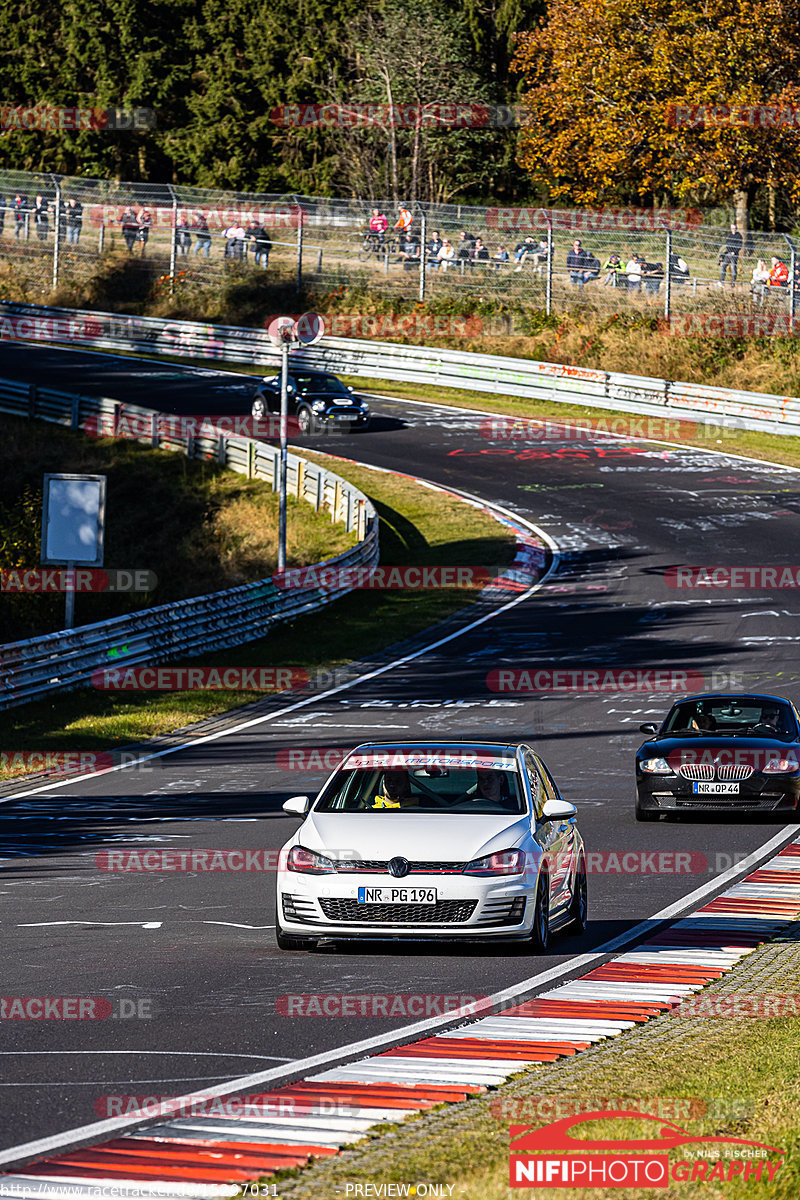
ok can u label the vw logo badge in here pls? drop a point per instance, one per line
(398, 867)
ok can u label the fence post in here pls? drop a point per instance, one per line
(668, 277)
(792, 289)
(57, 236)
(422, 254)
(548, 293)
(299, 250)
(173, 250)
(101, 237)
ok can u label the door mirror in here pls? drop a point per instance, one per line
(297, 806)
(558, 810)
(649, 728)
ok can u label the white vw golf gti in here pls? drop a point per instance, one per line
(433, 840)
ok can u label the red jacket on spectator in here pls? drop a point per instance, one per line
(779, 275)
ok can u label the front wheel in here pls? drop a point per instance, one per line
(539, 938)
(305, 420)
(287, 941)
(645, 814)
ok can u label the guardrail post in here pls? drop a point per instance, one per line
(337, 496)
(548, 290)
(57, 236)
(668, 277)
(320, 490)
(101, 237)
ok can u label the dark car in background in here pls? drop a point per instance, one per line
(317, 401)
(720, 752)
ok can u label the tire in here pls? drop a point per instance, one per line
(287, 941)
(306, 420)
(578, 909)
(366, 252)
(539, 938)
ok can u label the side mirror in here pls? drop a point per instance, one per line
(648, 728)
(297, 806)
(558, 810)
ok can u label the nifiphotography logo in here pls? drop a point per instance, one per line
(550, 1156)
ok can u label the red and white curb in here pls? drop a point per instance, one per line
(205, 1156)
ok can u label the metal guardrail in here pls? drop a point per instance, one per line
(59, 662)
(417, 364)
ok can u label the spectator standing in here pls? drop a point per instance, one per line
(576, 263)
(74, 220)
(202, 233)
(144, 219)
(729, 255)
(20, 211)
(652, 274)
(465, 243)
(263, 247)
(41, 218)
(378, 224)
(130, 228)
(250, 235)
(2, 213)
(183, 234)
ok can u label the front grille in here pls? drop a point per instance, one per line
(444, 912)
(726, 771)
(734, 771)
(697, 771)
(416, 868)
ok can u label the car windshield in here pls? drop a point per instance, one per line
(372, 787)
(327, 385)
(728, 715)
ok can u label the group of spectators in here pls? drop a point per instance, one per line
(23, 213)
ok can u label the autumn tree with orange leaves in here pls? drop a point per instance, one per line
(662, 101)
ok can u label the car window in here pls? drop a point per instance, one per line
(731, 715)
(535, 782)
(321, 384)
(458, 791)
(551, 790)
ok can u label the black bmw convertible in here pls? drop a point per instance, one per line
(720, 752)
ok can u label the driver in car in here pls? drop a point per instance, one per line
(396, 791)
(772, 715)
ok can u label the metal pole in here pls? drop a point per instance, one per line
(173, 250)
(57, 237)
(283, 457)
(548, 300)
(422, 254)
(299, 250)
(668, 277)
(69, 607)
(792, 289)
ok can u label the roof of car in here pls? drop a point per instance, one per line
(735, 696)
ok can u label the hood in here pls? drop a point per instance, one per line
(424, 837)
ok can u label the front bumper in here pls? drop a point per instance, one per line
(466, 907)
(759, 793)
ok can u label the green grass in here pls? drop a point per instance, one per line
(418, 526)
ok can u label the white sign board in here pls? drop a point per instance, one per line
(73, 519)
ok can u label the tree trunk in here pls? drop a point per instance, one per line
(392, 138)
(771, 205)
(741, 209)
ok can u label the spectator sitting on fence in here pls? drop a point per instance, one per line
(652, 274)
(523, 250)
(759, 279)
(41, 218)
(447, 254)
(465, 243)
(541, 255)
(130, 228)
(613, 269)
(501, 255)
(410, 253)
(779, 274)
(434, 246)
(633, 270)
(202, 233)
(479, 253)
(729, 255)
(145, 220)
(74, 220)
(678, 269)
(592, 266)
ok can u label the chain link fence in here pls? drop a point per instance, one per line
(63, 237)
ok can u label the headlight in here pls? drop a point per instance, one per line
(308, 863)
(318, 405)
(504, 862)
(780, 766)
(657, 766)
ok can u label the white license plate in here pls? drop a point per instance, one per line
(345, 417)
(398, 895)
(715, 789)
